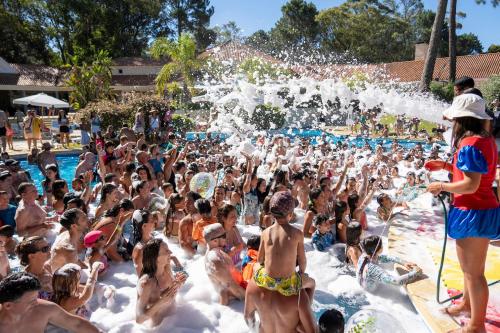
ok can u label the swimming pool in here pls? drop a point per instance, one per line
(314, 134)
(67, 167)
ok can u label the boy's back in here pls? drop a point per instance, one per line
(281, 243)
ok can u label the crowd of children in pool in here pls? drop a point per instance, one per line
(66, 240)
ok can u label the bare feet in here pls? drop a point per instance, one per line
(469, 329)
(457, 309)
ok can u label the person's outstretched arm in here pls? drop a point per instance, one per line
(61, 318)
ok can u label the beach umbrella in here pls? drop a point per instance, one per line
(41, 100)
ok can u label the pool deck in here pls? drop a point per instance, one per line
(21, 149)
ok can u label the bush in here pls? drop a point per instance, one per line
(442, 91)
(182, 124)
(123, 111)
(491, 89)
(267, 117)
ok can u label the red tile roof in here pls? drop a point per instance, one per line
(133, 80)
(138, 61)
(479, 66)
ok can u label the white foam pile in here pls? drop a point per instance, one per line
(197, 302)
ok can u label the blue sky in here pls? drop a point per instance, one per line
(252, 15)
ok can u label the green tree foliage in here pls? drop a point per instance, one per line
(297, 26)
(364, 31)
(228, 32)
(442, 91)
(266, 117)
(184, 62)
(491, 89)
(182, 124)
(90, 81)
(22, 40)
(260, 40)
(257, 70)
(191, 16)
(468, 44)
(493, 48)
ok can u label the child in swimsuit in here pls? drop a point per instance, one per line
(251, 257)
(386, 205)
(324, 237)
(369, 274)
(352, 248)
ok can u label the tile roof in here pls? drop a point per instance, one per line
(478, 66)
(236, 52)
(138, 61)
(34, 75)
(133, 80)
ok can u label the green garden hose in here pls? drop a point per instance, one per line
(438, 282)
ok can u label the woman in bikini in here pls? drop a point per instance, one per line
(176, 212)
(109, 198)
(317, 205)
(59, 189)
(51, 175)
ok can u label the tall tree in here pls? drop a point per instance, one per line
(228, 32)
(297, 27)
(430, 59)
(191, 16)
(494, 48)
(452, 41)
(468, 44)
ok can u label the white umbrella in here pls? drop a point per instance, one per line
(41, 100)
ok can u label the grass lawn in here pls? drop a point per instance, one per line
(390, 119)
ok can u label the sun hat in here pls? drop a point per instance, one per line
(91, 238)
(213, 231)
(281, 204)
(467, 105)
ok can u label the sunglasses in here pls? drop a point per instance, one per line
(44, 249)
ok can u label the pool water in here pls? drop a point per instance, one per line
(67, 166)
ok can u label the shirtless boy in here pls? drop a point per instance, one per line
(19, 301)
(31, 219)
(65, 248)
(219, 265)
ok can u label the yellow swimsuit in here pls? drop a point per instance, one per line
(285, 286)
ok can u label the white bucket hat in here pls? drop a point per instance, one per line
(467, 105)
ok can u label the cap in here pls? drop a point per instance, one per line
(467, 105)
(91, 238)
(282, 204)
(213, 231)
(11, 162)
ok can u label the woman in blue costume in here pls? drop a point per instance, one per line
(474, 219)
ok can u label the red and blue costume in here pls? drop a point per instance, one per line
(476, 214)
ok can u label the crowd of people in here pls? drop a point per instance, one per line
(130, 198)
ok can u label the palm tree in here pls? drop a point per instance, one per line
(430, 60)
(452, 41)
(183, 62)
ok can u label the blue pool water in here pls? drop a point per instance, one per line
(67, 167)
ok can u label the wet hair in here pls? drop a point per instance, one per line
(125, 204)
(371, 244)
(253, 242)
(319, 219)
(313, 196)
(381, 197)
(145, 168)
(203, 206)
(223, 213)
(54, 168)
(193, 196)
(65, 283)
(58, 189)
(352, 201)
(130, 167)
(175, 199)
(331, 321)
(137, 226)
(261, 195)
(353, 233)
(150, 256)
(464, 82)
(108, 178)
(340, 208)
(70, 217)
(26, 247)
(14, 286)
(23, 187)
(7, 231)
(106, 190)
